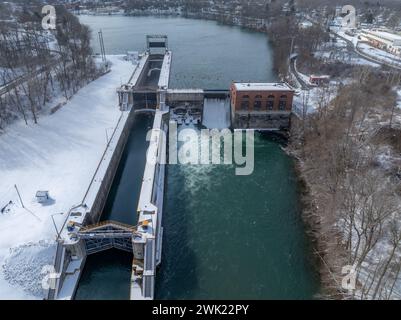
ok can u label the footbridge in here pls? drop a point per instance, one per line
(107, 235)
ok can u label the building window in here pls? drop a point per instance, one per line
(257, 104)
(270, 102)
(245, 103)
(283, 103)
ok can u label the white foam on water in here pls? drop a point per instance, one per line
(216, 113)
(198, 176)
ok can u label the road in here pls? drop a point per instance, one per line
(293, 69)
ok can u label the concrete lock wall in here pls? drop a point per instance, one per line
(158, 188)
(150, 206)
(142, 76)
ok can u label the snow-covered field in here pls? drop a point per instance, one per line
(59, 154)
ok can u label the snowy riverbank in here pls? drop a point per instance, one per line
(59, 154)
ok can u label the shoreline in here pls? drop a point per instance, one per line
(320, 253)
(179, 15)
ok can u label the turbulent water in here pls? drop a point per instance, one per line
(225, 236)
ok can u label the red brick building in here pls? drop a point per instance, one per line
(261, 105)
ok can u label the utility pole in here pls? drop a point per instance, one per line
(107, 134)
(19, 196)
(54, 223)
(101, 43)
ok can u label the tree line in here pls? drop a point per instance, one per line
(351, 195)
(38, 64)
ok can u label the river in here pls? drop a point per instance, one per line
(225, 236)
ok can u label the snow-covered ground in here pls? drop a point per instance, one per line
(342, 34)
(59, 154)
(309, 101)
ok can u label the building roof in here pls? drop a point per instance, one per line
(261, 86)
(320, 76)
(383, 35)
(42, 193)
(387, 35)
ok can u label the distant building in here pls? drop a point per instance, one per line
(261, 105)
(319, 80)
(382, 39)
(42, 196)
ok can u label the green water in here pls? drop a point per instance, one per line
(106, 276)
(235, 237)
(225, 236)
